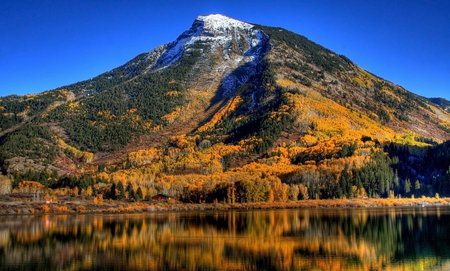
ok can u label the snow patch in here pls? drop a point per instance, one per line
(216, 29)
(220, 23)
(241, 46)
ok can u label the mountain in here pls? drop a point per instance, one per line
(227, 103)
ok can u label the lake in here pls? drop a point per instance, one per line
(416, 238)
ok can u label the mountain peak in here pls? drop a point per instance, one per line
(221, 22)
(217, 30)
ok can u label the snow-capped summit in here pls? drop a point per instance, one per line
(219, 22)
(218, 31)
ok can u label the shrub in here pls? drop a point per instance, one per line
(98, 199)
(45, 208)
(60, 209)
(81, 209)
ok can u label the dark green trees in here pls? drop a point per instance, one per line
(377, 177)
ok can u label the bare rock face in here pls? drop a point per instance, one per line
(231, 51)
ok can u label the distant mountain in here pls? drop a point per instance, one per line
(228, 98)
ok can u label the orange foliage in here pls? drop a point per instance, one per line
(224, 111)
(86, 156)
(173, 93)
(143, 157)
(173, 115)
(30, 186)
(181, 142)
(321, 128)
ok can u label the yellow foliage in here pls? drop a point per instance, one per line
(409, 139)
(285, 83)
(45, 208)
(23, 113)
(322, 126)
(363, 78)
(60, 209)
(81, 209)
(295, 150)
(359, 81)
(98, 199)
(445, 125)
(89, 191)
(333, 120)
(143, 157)
(103, 175)
(147, 125)
(172, 116)
(223, 149)
(309, 140)
(87, 156)
(30, 186)
(73, 105)
(282, 151)
(319, 86)
(155, 128)
(246, 143)
(207, 161)
(136, 118)
(106, 114)
(224, 111)
(178, 141)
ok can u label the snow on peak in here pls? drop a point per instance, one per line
(221, 22)
(216, 29)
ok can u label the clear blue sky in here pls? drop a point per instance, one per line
(46, 44)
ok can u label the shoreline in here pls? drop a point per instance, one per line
(77, 205)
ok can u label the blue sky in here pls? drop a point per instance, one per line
(47, 44)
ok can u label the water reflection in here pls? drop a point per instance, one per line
(311, 239)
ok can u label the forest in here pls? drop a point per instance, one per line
(385, 174)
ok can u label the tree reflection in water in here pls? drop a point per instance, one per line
(326, 239)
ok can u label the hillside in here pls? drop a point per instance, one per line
(230, 111)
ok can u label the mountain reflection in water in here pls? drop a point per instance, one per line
(306, 239)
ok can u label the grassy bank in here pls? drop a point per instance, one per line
(13, 204)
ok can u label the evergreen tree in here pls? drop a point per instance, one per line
(121, 190)
(139, 194)
(417, 185)
(127, 164)
(130, 191)
(346, 183)
(407, 186)
(112, 192)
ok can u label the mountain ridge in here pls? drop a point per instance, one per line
(222, 98)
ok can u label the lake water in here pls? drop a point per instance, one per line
(299, 239)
